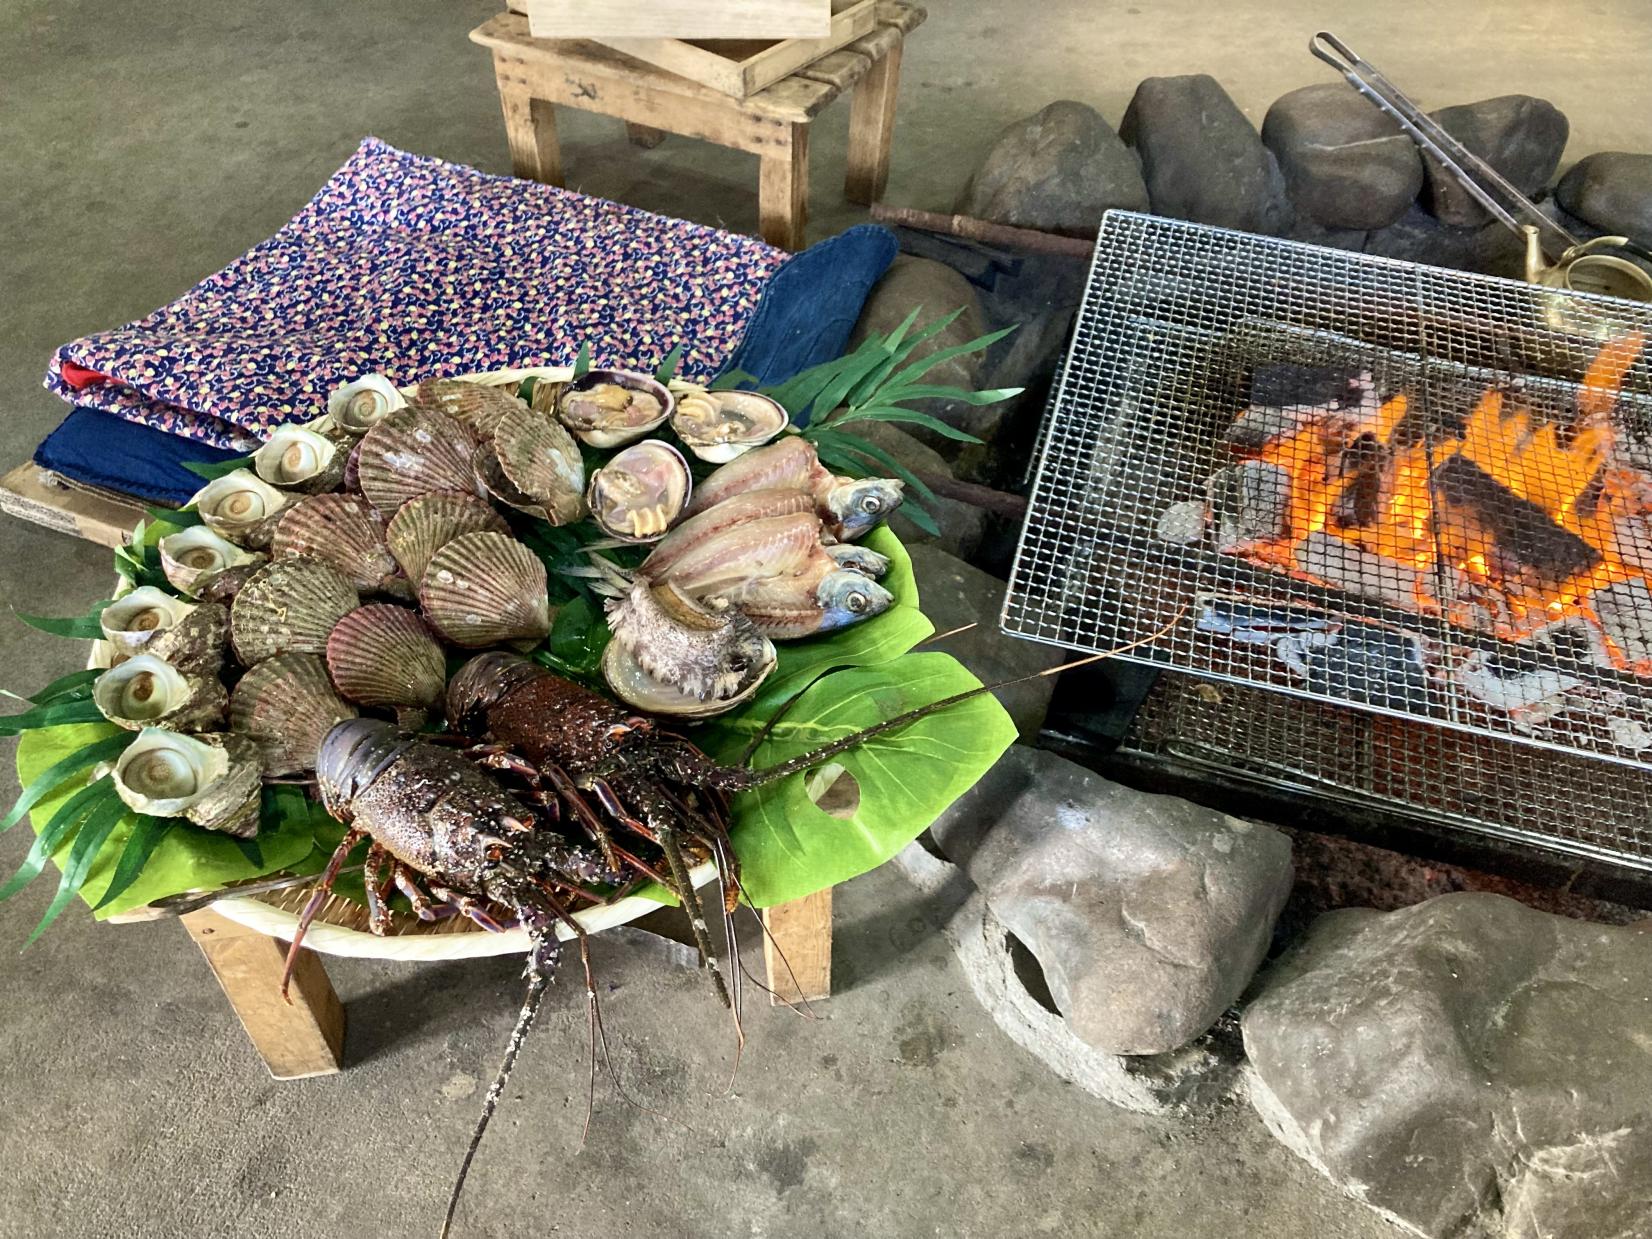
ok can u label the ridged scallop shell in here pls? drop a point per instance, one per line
(413, 452)
(641, 492)
(212, 780)
(485, 589)
(426, 524)
(301, 459)
(384, 655)
(285, 705)
(535, 466)
(192, 557)
(344, 531)
(355, 408)
(478, 405)
(146, 691)
(289, 606)
(718, 426)
(602, 407)
(241, 507)
(134, 620)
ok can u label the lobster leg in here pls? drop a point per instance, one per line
(407, 883)
(328, 877)
(469, 906)
(372, 880)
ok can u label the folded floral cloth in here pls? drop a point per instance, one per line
(414, 268)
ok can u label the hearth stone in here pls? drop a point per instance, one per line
(1521, 136)
(1201, 158)
(1613, 191)
(1419, 237)
(1056, 171)
(1625, 611)
(1347, 165)
(1148, 914)
(1467, 1067)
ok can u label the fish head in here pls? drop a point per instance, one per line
(846, 597)
(860, 505)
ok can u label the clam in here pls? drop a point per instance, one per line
(212, 780)
(717, 426)
(298, 458)
(287, 606)
(413, 452)
(285, 705)
(241, 507)
(145, 691)
(384, 655)
(484, 589)
(355, 408)
(641, 491)
(131, 622)
(533, 465)
(477, 405)
(674, 655)
(608, 408)
(424, 525)
(193, 556)
(345, 531)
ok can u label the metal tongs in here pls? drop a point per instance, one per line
(1579, 266)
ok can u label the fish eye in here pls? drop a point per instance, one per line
(872, 504)
(857, 602)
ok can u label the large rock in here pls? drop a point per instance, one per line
(1419, 237)
(1201, 158)
(1346, 164)
(1056, 171)
(1613, 191)
(1520, 136)
(1148, 914)
(1468, 1066)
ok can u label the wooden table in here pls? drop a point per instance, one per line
(534, 75)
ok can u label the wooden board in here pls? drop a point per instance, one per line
(38, 495)
(741, 68)
(680, 19)
(797, 950)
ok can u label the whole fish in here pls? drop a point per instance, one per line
(847, 507)
(859, 559)
(841, 598)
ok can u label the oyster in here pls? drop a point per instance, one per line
(193, 556)
(289, 605)
(384, 655)
(426, 524)
(477, 405)
(345, 531)
(355, 408)
(533, 465)
(641, 491)
(683, 656)
(132, 621)
(413, 452)
(848, 507)
(285, 705)
(241, 507)
(145, 691)
(719, 425)
(608, 408)
(213, 780)
(751, 506)
(484, 589)
(298, 458)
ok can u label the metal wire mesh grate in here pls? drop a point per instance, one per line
(1419, 492)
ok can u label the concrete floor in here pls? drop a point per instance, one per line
(145, 146)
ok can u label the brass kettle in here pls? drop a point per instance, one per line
(1584, 269)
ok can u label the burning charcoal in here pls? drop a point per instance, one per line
(1285, 397)
(1364, 574)
(1183, 523)
(1253, 624)
(1366, 461)
(1250, 500)
(1521, 531)
(1515, 686)
(1625, 611)
(1575, 640)
(1364, 664)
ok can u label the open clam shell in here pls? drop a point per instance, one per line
(609, 408)
(213, 780)
(478, 405)
(384, 655)
(485, 589)
(298, 458)
(717, 426)
(345, 531)
(285, 705)
(192, 557)
(704, 651)
(145, 691)
(355, 408)
(241, 507)
(134, 620)
(413, 452)
(535, 466)
(641, 492)
(288, 606)
(426, 524)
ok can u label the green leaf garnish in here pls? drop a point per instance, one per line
(54, 715)
(93, 833)
(83, 627)
(211, 471)
(668, 368)
(54, 775)
(56, 830)
(146, 836)
(582, 361)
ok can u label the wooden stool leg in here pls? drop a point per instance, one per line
(530, 129)
(783, 193)
(645, 136)
(305, 1038)
(872, 130)
(802, 932)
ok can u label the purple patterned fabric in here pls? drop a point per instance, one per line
(414, 267)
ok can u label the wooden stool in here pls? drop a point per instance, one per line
(534, 75)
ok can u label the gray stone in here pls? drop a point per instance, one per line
(962, 525)
(1468, 1066)
(1148, 914)
(1420, 237)
(1347, 165)
(1613, 191)
(1522, 137)
(1201, 158)
(1056, 170)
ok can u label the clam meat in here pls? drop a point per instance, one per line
(717, 426)
(608, 408)
(639, 494)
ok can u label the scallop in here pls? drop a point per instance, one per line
(384, 655)
(298, 458)
(285, 705)
(426, 524)
(718, 426)
(477, 405)
(355, 408)
(212, 780)
(345, 531)
(289, 606)
(639, 494)
(413, 452)
(131, 622)
(145, 691)
(192, 557)
(609, 408)
(535, 466)
(241, 507)
(485, 589)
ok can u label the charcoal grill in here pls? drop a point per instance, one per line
(1177, 321)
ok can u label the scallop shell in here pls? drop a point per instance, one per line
(145, 691)
(287, 606)
(426, 524)
(608, 408)
(298, 458)
(641, 492)
(346, 532)
(213, 780)
(383, 655)
(535, 466)
(193, 556)
(485, 589)
(285, 705)
(134, 620)
(718, 426)
(477, 405)
(355, 408)
(241, 507)
(707, 652)
(413, 452)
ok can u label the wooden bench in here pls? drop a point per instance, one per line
(535, 75)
